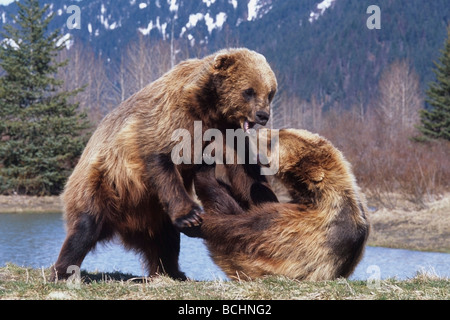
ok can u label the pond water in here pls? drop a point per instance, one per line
(34, 240)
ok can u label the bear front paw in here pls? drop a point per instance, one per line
(192, 219)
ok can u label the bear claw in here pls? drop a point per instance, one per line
(192, 219)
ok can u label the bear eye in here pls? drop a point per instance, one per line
(249, 93)
(271, 95)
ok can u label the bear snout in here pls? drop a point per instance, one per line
(261, 117)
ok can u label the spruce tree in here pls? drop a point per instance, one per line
(435, 123)
(41, 133)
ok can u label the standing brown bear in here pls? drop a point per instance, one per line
(126, 183)
(320, 235)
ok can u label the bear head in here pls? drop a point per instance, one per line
(245, 86)
(303, 157)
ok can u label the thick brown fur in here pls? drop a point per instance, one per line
(320, 235)
(126, 184)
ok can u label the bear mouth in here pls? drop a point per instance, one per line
(247, 125)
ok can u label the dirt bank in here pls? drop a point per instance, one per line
(29, 204)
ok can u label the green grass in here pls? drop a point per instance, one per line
(26, 283)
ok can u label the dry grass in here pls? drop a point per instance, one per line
(22, 283)
(425, 228)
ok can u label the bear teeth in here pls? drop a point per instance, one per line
(246, 126)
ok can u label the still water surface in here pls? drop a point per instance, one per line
(34, 240)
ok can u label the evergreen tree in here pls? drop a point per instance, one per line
(435, 123)
(41, 133)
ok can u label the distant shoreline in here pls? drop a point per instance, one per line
(420, 229)
(30, 204)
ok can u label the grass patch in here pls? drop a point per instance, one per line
(26, 283)
(424, 229)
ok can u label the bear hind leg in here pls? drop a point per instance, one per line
(80, 239)
(160, 252)
(167, 249)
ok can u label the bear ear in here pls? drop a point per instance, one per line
(224, 61)
(317, 175)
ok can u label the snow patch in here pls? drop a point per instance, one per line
(6, 2)
(191, 40)
(173, 5)
(104, 21)
(65, 40)
(253, 8)
(161, 28)
(320, 10)
(211, 22)
(258, 8)
(208, 2)
(146, 31)
(142, 5)
(90, 28)
(234, 3)
(193, 19)
(9, 42)
(221, 17)
(324, 5)
(192, 22)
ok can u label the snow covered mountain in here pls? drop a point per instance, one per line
(318, 47)
(108, 24)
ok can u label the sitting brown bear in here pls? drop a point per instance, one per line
(319, 235)
(126, 182)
